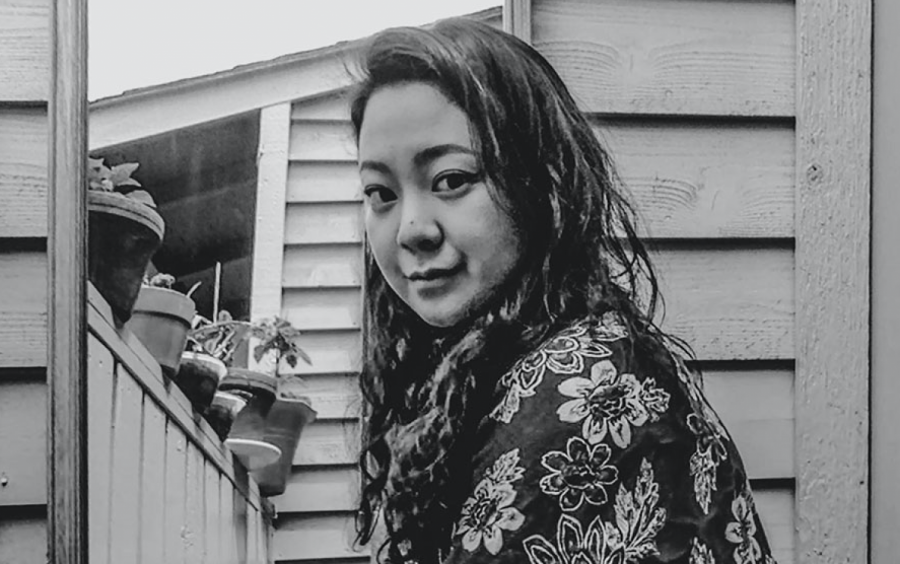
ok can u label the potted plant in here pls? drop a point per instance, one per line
(124, 230)
(289, 415)
(161, 320)
(274, 342)
(216, 340)
(200, 371)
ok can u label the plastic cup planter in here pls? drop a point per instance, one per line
(198, 377)
(224, 410)
(247, 439)
(285, 422)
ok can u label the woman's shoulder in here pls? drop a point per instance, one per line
(581, 348)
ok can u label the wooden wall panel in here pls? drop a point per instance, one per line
(23, 168)
(153, 484)
(25, 37)
(23, 539)
(212, 511)
(323, 309)
(691, 57)
(328, 443)
(101, 395)
(323, 266)
(323, 181)
(730, 303)
(23, 441)
(126, 469)
(333, 488)
(175, 492)
(315, 537)
(323, 223)
(834, 127)
(23, 309)
(689, 178)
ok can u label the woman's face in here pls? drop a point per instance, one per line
(438, 237)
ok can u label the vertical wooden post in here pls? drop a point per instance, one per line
(67, 351)
(271, 205)
(833, 126)
(517, 18)
(885, 511)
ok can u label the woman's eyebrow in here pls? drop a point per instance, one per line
(377, 166)
(430, 154)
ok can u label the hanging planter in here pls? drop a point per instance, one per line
(284, 426)
(124, 231)
(161, 320)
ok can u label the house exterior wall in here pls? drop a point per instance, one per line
(24, 93)
(713, 115)
(696, 99)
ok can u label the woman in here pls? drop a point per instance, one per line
(521, 405)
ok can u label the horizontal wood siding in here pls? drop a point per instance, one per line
(695, 101)
(25, 41)
(321, 281)
(690, 57)
(23, 169)
(163, 487)
(24, 143)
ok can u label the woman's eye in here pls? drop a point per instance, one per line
(379, 195)
(453, 181)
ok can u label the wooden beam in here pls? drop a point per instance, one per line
(142, 114)
(67, 510)
(268, 239)
(517, 18)
(833, 127)
(885, 510)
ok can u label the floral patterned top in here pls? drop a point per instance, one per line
(588, 461)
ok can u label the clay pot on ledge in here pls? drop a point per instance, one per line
(247, 439)
(123, 234)
(284, 426)
(161, 320)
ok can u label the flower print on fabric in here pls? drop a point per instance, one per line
(580, 474)
(708, 454)
(630, 538)
(564, 354)
(610, 403)
(489, 511)
(700, 553)
(742, 531)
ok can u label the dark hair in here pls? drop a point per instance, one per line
(425, 389)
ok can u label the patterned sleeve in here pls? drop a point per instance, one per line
(588, 460)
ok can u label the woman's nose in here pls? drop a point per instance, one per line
(419, 229)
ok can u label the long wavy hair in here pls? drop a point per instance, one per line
(425, 390)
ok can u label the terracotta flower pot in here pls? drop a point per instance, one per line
(198, 377)
(223, 411)
(161, 320)
(123, 235)
(284, 425)
(248, 434)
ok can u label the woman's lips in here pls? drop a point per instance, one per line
(432, 274)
